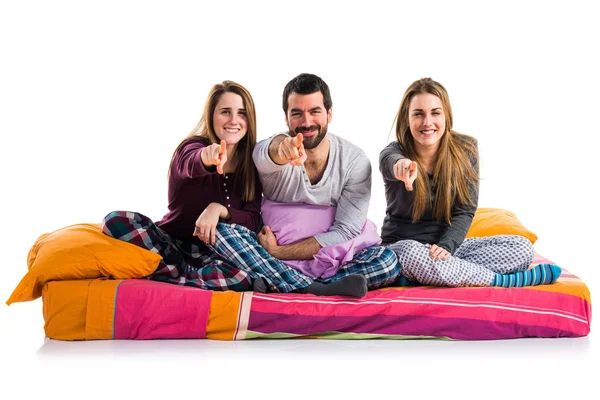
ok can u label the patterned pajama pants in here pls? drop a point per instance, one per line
(182, 263)
(474, 263)
(240, 245)
(236, 259)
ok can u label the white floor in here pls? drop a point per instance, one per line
(524, 368)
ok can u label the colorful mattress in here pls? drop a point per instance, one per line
(87, 309)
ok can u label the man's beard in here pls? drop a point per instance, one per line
(310, 142)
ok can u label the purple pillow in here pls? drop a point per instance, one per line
(292, 222)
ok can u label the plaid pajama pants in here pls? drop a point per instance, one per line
(475, 262)
(236, 259)
(182, 263)
(240, 245)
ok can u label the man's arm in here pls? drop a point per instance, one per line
(303, 250)
(352, 205)
(274, 154)
(284, 149)
(274, 150)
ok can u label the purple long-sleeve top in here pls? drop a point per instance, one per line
(192, 187)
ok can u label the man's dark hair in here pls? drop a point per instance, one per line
(307, 84)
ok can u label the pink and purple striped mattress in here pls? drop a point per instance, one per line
(142, 309)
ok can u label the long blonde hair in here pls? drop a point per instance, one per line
(453, 175)
(205, 129)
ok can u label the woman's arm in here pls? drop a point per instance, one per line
(388, 157)
(187, 162)
(462, 215)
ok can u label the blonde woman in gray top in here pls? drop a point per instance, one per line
(431, 178)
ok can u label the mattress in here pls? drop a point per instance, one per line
(91, 309)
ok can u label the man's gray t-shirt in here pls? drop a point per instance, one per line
(346, 184)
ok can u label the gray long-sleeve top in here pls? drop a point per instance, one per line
(398, 225)
(346, 184)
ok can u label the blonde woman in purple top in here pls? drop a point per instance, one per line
(212, 180)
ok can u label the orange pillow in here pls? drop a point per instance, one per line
(81, 251)
(496, 221)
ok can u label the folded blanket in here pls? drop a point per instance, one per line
(292, 222)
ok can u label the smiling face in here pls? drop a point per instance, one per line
(306, 114)
(427, 121)
(230, 122)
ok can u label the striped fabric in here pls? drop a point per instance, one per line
(135, 309)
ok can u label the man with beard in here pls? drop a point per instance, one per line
(317, 188)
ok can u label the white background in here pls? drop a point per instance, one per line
(94, 97)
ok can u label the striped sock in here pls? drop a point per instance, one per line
(542, 274)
